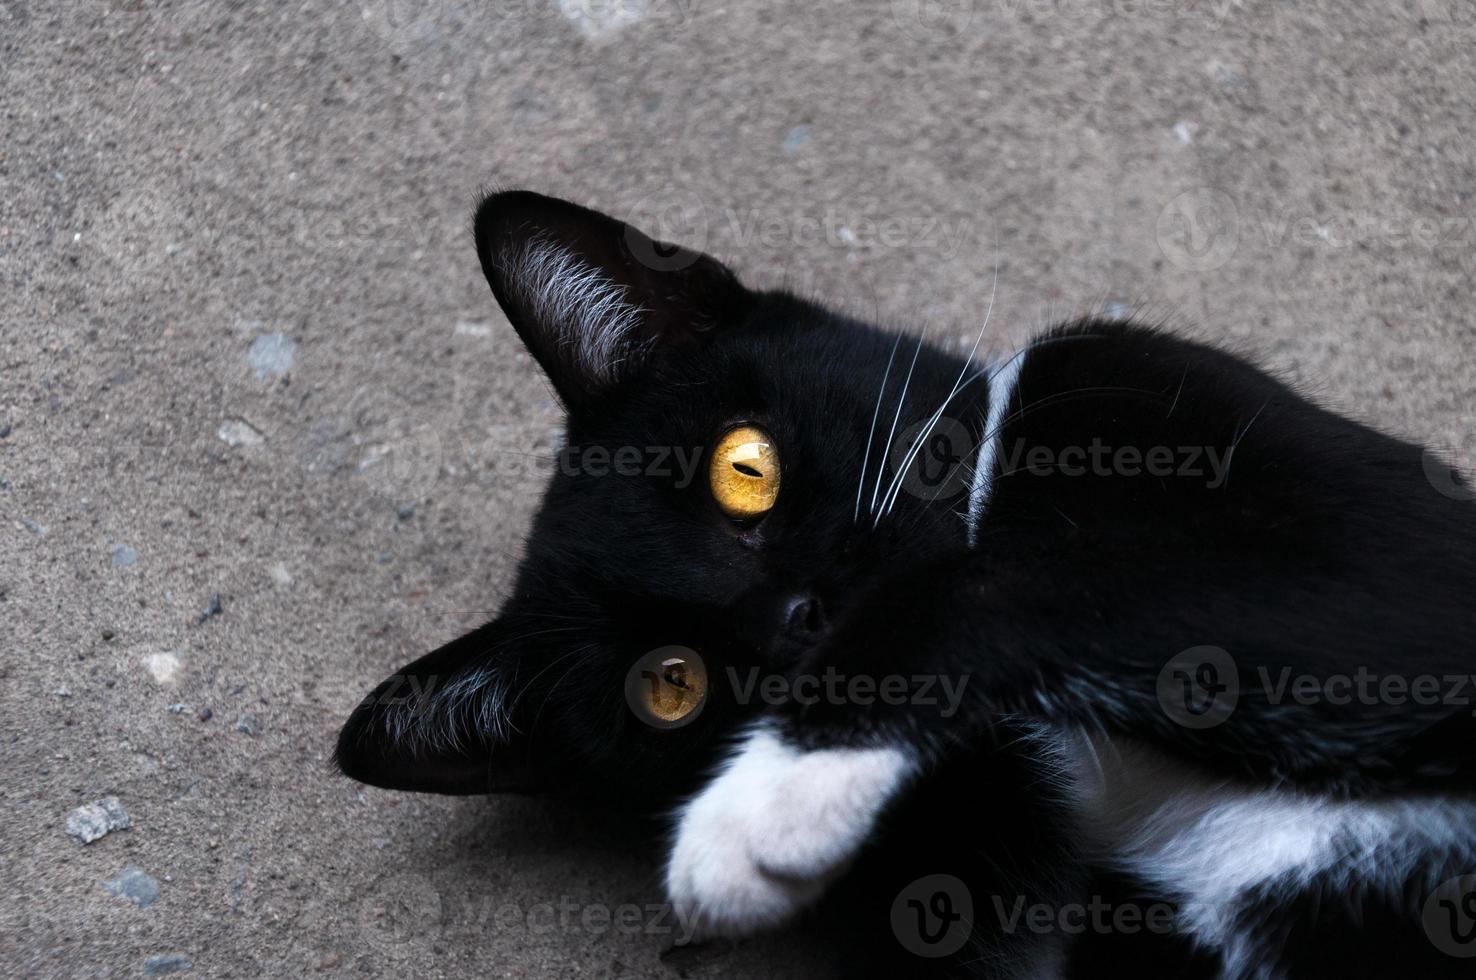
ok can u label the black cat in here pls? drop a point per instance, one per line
(1115, 655)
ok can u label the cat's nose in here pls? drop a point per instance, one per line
(803, 616)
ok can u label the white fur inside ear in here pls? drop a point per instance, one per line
(423, 714)
(773, 829)
(588, 313)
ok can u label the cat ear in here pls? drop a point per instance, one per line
(593, 297)
(442, 724)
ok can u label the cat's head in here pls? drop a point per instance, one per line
(730, 484)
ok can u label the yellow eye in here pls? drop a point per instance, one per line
(667, 686)
(744, 473)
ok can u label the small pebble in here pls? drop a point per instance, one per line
(5, 431)
(212, 609)
(123, 556)
(205, 714)
(177, 709)
(272, 354)
(796, 140)
(472, 328)
(97, 819)
(134, 884)
(406, 512)
(238, 432)
(156, 966)
(164, 667)
(247, 725)
(108, 634)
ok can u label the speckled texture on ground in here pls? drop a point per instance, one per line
(246, 353)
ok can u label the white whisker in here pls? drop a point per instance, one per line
(1235, 443)
(898, 414)
(958, 385)
(871, 435)
(894, 488)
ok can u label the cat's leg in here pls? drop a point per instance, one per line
(897, 837)
(803, 794)
(1079, 636)
(776, 825)
(987, 626)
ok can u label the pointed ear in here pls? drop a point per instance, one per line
(443, 724)
(593, 297)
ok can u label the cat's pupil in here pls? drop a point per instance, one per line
(747, 470)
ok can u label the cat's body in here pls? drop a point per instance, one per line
(1158, 584)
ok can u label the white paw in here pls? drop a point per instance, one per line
(773, 829)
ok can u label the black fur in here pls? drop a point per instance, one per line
(1319, 546)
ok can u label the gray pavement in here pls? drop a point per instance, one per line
(246, 352)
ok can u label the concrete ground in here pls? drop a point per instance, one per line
(246, 352)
